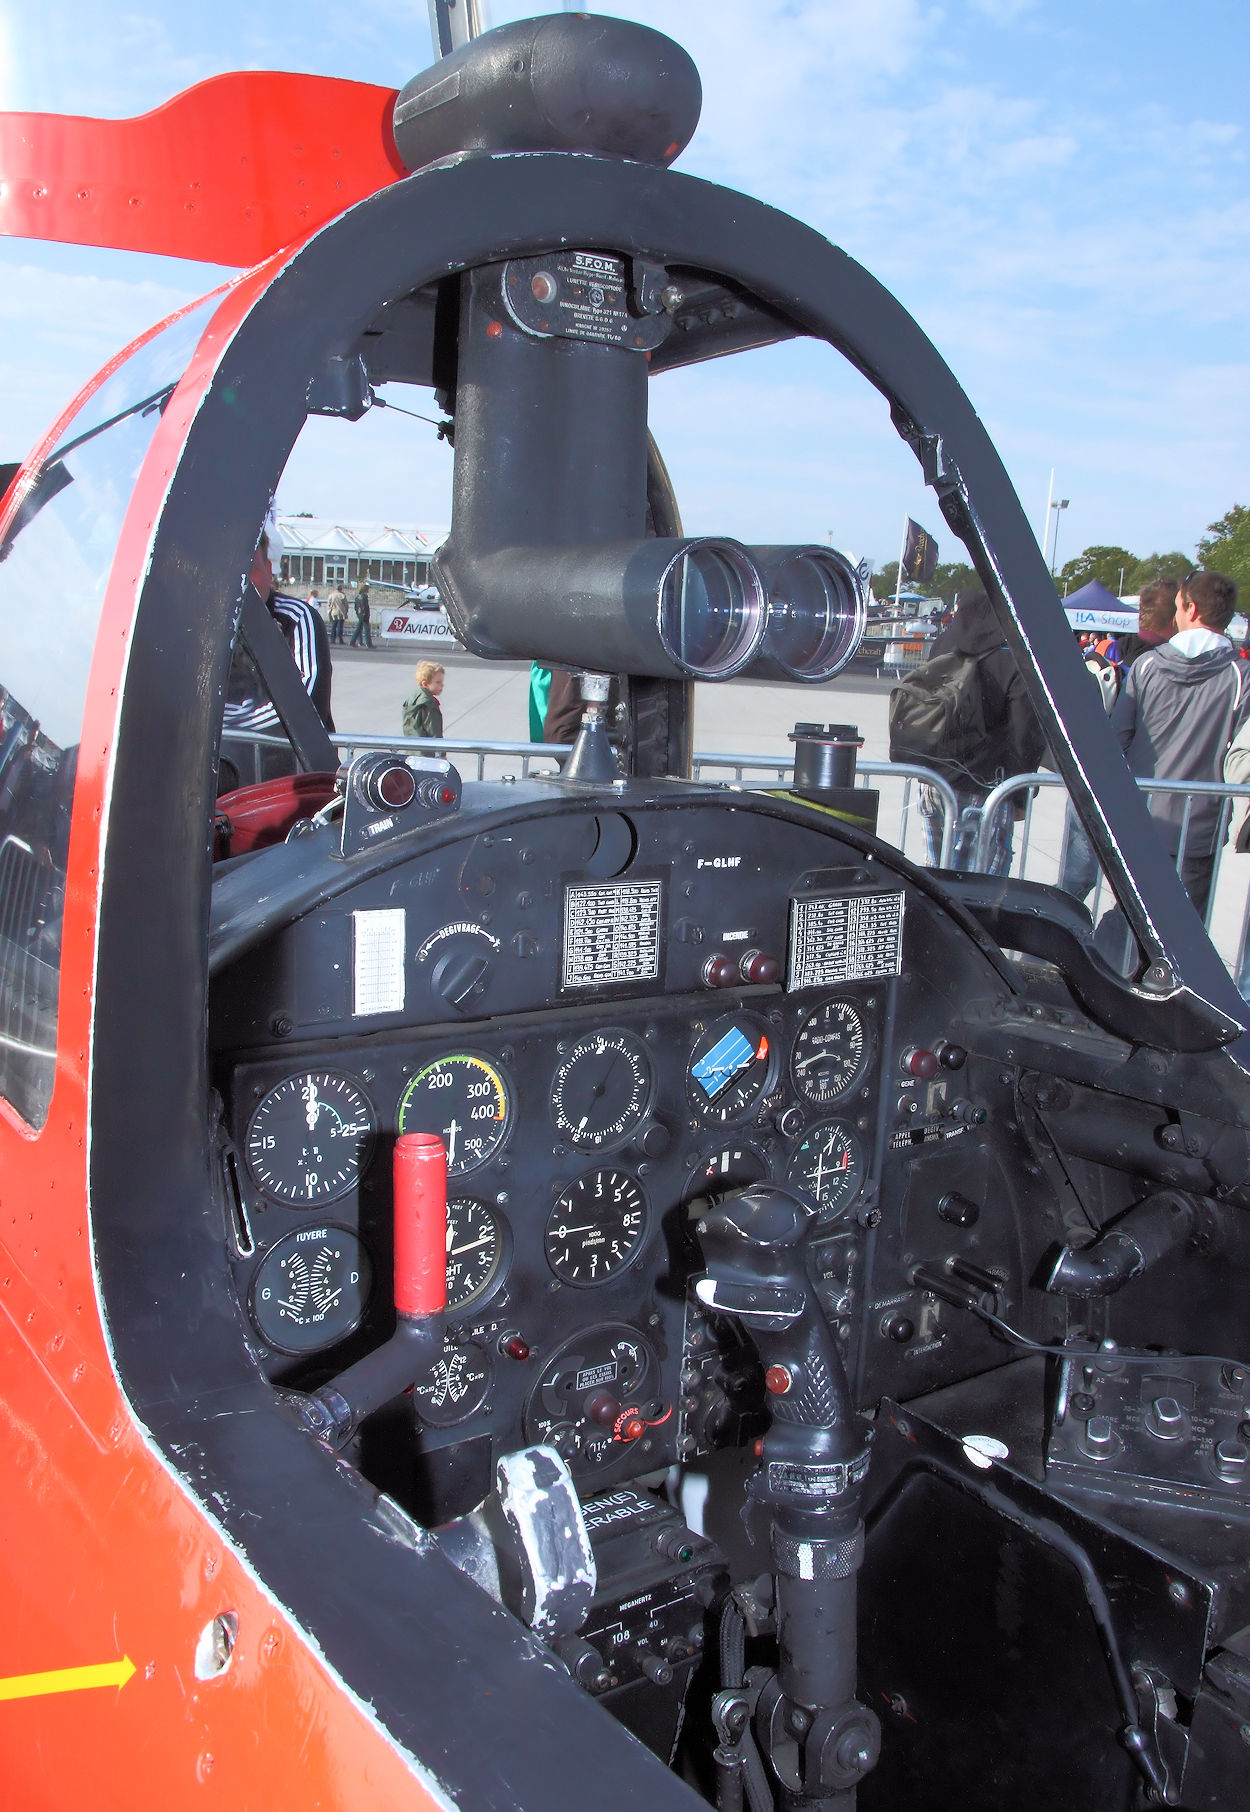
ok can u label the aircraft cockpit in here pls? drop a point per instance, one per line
(827, 1383)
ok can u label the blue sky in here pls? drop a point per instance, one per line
(1057, 189)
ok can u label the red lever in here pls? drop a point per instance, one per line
(420, 1224)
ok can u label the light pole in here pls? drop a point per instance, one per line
(1060, 503)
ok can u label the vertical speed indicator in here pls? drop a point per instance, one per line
(465, 1101)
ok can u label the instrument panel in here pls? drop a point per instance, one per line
(594, 1081)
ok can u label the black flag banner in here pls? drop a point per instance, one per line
(920, 552)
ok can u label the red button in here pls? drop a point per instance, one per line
(759, 968)
(602, 1407)
(633, 1428)
(720, 972)
(778, 1379)
(514, 1348)
(920, 1063)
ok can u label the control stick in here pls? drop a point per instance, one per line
(819, 1740)
(335, 1411)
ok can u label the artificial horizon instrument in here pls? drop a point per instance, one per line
(586, 1290)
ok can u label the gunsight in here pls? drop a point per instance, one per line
(549, 554)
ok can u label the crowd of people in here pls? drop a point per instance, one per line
(1179, 702)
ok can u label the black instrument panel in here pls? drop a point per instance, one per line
(586, 1119)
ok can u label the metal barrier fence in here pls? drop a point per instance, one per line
(919, 814)
(1049, 848)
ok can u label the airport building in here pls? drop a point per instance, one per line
(316, 551)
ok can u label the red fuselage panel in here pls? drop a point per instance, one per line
(228, 172)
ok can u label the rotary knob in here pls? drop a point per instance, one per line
(1166, 1420)
(1231, 1459)
(1100, 1440)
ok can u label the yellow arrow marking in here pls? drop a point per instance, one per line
(67, 1679)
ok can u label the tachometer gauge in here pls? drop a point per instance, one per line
(311, 1289)
(829, 1166)
(733, 1064)
(596, 1227)
(465, 1100)
(831, 1052)
(474, 1251)
(601, 1090)
(309, 1138)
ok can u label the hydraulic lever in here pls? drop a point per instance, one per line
(335, 1411)
(819, 1740)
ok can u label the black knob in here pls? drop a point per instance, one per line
(654, 1138)
(654, 1667)
(898, 1327)
(958, 1209)
(459, 977)
(584, 1663)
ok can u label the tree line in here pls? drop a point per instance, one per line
(1225, 548)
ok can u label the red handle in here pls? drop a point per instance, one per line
(420, 1224)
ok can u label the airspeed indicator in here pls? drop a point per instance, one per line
(465, 1101)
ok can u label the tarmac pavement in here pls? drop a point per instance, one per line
(489, 701)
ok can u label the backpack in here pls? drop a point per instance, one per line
(1106, 673)
(937, 713)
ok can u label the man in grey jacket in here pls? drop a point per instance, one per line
(1181, 705)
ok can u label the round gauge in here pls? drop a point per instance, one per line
(732, 1065)
(310, 1290)
(465, 1100)
(831, 1052)
(733, 1166)
(596, 1227)
(601, 1090)
(474, 1251)
(454, 1387)
(309, 1138)
(829, 1166)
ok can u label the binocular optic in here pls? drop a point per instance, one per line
(704, 608)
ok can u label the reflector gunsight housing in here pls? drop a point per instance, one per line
(548, 555)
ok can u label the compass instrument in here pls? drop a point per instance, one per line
(309, 1138)
(466, 1101)
(731, 1067)
(596, 1227)
(601, 1090)
(311, 1289)
(829, 1167)
(831, 1052)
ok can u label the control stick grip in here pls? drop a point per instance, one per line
(334, 1412)
(420, 1186)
